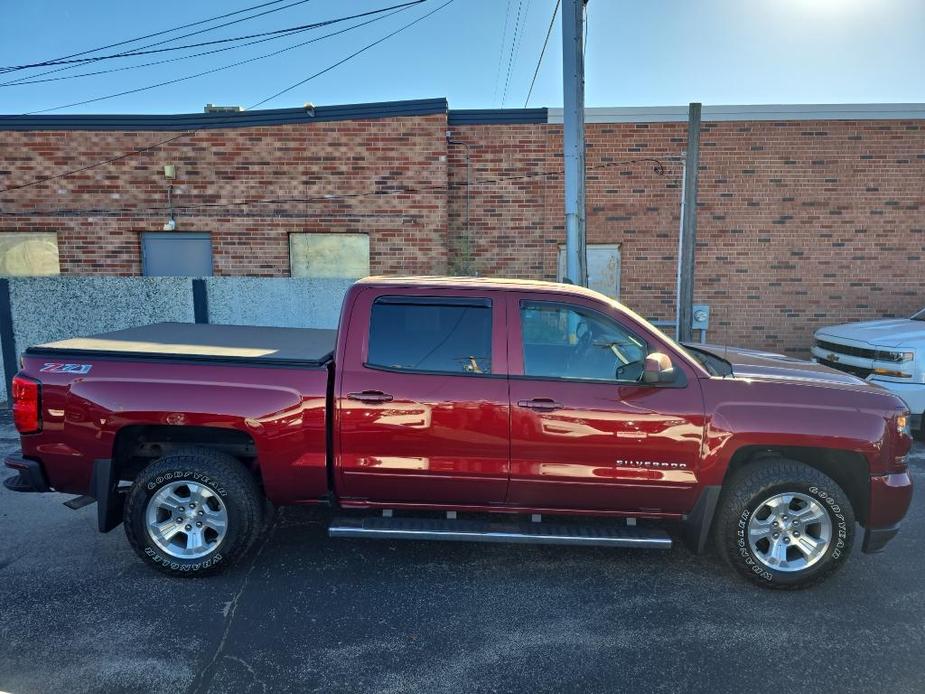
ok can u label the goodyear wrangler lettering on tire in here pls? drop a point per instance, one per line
(743, 547)
(193, 512)
(783, 524)
(198, 566)
(177, 475)
(841, 524)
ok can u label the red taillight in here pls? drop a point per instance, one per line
(26, 413)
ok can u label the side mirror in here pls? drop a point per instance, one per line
(658, 369)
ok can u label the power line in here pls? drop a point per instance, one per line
(170, 40)
(285, 30)
(352, 55)
(167, 31)
(401, 8)
(510, 60)
(520, 37)
(192, 33)
(125, 155)
(507, 17)
(17, 83)
(539, 62)
(270, 36)
(188, 133)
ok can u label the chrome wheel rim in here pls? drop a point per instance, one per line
(186, 520)
(789, 532)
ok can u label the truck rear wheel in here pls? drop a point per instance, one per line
(783, 524)
(193, 512)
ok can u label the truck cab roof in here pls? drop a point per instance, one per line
(491, 283)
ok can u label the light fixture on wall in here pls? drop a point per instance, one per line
(170, 171)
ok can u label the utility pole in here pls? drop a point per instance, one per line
(573, 87)
(688, 244)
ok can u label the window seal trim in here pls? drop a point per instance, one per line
(681, 382)
(423, 372)
(426, 300)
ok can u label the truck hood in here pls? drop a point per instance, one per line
(749, 363)
(891, 332)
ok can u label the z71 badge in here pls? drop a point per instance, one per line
(55, 368)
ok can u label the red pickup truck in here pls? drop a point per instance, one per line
(464, 409)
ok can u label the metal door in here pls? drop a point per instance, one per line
(603, 268)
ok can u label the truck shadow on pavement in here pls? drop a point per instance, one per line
(304, 612)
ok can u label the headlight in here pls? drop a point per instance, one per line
(898, 357)
(903, 425)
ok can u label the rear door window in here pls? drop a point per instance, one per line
(432, 335)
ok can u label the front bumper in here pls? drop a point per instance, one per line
(30, 477)
(890, 496)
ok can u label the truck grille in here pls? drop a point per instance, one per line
(847, 349)
(858, 371)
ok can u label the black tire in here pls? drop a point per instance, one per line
(744, 495)
(231, 482)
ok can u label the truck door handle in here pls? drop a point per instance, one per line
(540, 404)
(370, 396)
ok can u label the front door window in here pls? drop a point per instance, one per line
(566, 342)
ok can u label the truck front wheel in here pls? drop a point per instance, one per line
(784, 524)
(193, 512)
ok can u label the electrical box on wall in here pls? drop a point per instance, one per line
(700, 317)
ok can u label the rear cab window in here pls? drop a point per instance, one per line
(437, 335)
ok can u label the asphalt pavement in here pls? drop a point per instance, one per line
(80, 613)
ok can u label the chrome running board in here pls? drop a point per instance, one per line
(385, 528)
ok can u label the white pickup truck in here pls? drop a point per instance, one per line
(889, 353)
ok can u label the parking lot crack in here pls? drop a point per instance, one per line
(204, 677)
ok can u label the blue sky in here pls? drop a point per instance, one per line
(639, 53)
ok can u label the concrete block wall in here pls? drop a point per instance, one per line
(52, 308)
(277, 302)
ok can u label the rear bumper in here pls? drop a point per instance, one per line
(890, 496)
(29, 478)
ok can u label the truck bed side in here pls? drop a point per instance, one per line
(124, 406)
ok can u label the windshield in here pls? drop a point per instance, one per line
(919, 316)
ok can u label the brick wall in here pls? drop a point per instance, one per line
(98, 214)
(801, 223)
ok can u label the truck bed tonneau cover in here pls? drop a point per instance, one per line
(192, 341)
